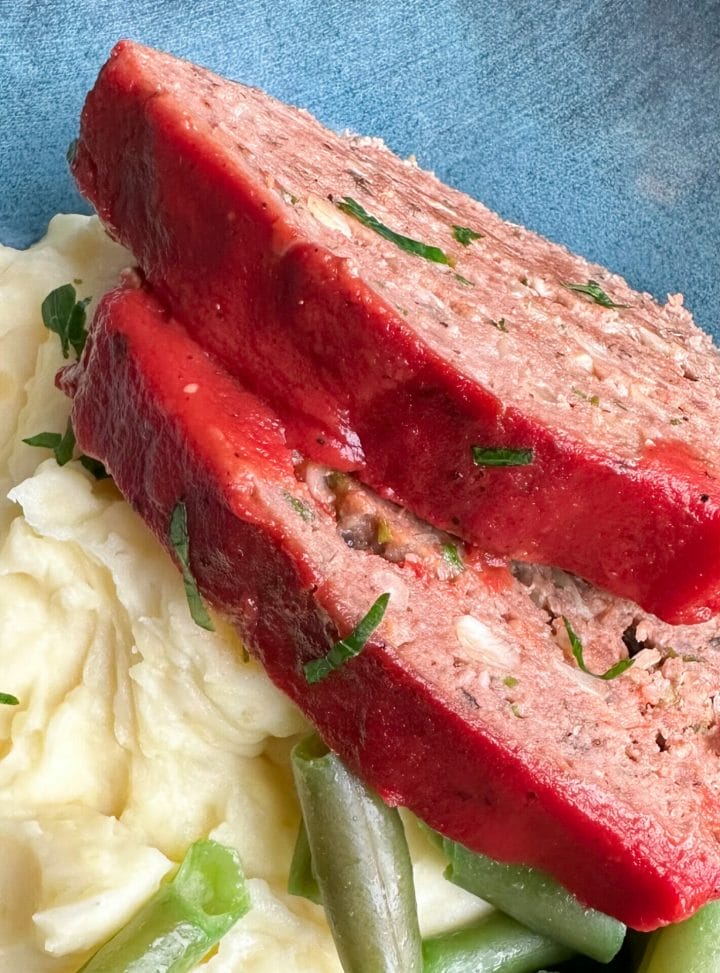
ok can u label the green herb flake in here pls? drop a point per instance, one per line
(452, 557)
(592, 399)
(63, 314)
(339, 483)
(299, 507)
(465, 236)
(501, 456)
(65, 448)
(350, 646)
(499, 324)
(94, 467)
(384, 534)
(434, 254)
(46, 440)
(180, 543)
(676, 422)
(71, 151)
(61, 445)
(463, 280)
(7, 699)
(577, 651)
(594, 291)
(516, 711)
(510, 681)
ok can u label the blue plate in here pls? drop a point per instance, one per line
(595, 124)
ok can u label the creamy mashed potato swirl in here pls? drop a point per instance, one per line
(137, 732)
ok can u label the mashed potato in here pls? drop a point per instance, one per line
(137, 732)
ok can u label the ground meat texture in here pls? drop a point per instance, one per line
(463, 706)
(394, 366)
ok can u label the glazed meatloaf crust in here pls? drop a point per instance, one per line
(466, 704)
(406, 333)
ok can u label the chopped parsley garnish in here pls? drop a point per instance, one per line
(577, 651)
(452, 557)
(70, 151)
(499, 324)
(350, 646)
(594, 291)
(517, 712)
(95, 467)
(7, 699)
(299, 507)
(66, 316)
(434, 254)
(62, 445)
(492, 456)
(510, 681)
(463, 280)
(180, 543)
(464, 235)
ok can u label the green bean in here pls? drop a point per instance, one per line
(362, 865)
(692, 945)
(302, 879)
(178, 926)
(536, 900)
(494, 944)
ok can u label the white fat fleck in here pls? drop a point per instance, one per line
(591, 684)
(613, 324)
(443, 209)
(647, 658)
(329, 215)
(364, 141)
(541, 287)
(652, 340)
(390, 581)
(191, 388)
(477, 638)
(399, 625)
(584, 361)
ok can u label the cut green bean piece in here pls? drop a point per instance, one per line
(362, 865)
(692, 945)
(302, 879)
(494, 944)
(537, 901)
(185, 918)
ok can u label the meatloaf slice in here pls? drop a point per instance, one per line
(466, 705)
(268, 235)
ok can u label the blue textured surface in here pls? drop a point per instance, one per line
(596, 124)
